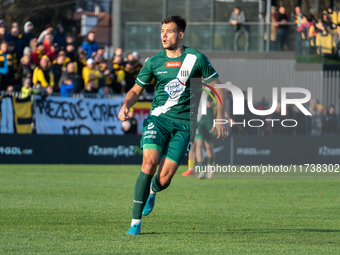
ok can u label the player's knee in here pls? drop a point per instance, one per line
(164, 181)
(149, 167)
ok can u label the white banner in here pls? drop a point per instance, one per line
(78, 116)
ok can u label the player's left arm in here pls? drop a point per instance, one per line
(221, 128)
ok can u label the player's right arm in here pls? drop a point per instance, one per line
(130, 99)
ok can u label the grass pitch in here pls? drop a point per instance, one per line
(76, 209)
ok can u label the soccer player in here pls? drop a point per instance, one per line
(166, 131)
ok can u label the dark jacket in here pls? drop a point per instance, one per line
(60, 38)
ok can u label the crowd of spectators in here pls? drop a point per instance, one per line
(52, 63)
(312, 35)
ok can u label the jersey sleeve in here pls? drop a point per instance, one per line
(207, 70)
(145, 75)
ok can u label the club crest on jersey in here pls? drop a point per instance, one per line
(185, 72)
(174, 88)
(174, 64)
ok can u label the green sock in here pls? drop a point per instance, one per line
(200, 166)
(156, 186)
(142, 190)
(210, 161)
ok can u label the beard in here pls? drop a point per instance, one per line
(172, 46)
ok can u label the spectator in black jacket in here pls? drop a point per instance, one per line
(28, 35)
(330, 122)
(25, 69)
(57, 70)
(282, 30)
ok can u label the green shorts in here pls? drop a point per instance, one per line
(203, 131)
(170, 138)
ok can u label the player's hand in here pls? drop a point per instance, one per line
(221, 129)
(123, 113)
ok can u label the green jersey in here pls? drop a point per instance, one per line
(175, 98)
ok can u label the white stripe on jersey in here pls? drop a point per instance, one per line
(210, 76)
(142, 82)
(188, 64)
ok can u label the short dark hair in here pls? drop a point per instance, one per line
(238, 8)
(180, 22)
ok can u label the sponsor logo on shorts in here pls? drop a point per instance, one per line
(161, 72)
(151, 125)
(138, 202)
(174, 64)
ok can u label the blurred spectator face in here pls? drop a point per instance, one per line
(69, 39)
(304, 19)
(325, 17)
(61, 29)
(119, 52)
(50, 30)
(4, 47)
(41, 47)
(331, 110)
(90, 65)
(273, 9)
(26, 59)
(29, 27)
(103, 64)
(70, 67)
(106, 90)
(101, 51)
(118, 59)
(338, 31)
(10, 47)
(2, 30)
(15, 31)
(129, 57)
(15, 24)
(135, 56)
(237, 11)
(61, 58)
(43, 63)
(282, 10)
(48, 39)
(90, 84)
(98, 58)
(68, 81)
(91, 36)
(27, 83)
(34, 42)
(69, 48)
(53, 49)
(9, 90)
(129, 66)
(49, 90)
(298, 10)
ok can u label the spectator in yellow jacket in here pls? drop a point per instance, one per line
(91, 73)
(42, 74)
